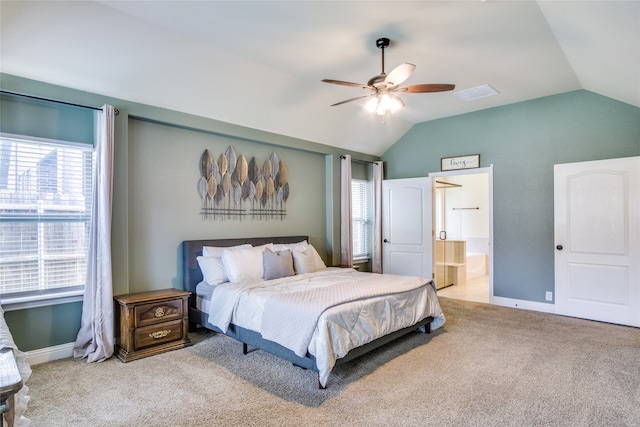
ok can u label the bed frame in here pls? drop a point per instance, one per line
(192, 276)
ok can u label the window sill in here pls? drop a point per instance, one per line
(32, 301)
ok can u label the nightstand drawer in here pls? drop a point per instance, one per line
(153, 313)
(158, 334)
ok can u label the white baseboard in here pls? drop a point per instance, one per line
(524, 304)
(43, 355)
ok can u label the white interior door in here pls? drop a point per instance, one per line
(597, 237)
(407, 247)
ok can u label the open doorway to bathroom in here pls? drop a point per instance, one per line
(463, 234)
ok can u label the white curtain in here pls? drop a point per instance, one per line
(96, 338)
(376, 262)
(346, 244)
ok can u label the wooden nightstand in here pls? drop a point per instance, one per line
(151, 323)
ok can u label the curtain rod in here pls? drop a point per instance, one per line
(116, 112)
(360, 161)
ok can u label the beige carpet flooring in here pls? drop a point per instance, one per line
(487, 366)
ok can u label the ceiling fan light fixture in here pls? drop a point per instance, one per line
(384, 86)
(396, 103)
(372, 105)
(381, 104)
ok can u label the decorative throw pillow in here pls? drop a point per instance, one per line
(243, 264)
(304, 261)
(277, 264)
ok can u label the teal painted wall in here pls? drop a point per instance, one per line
(164, 204)
(50, 325)
(523, 141)
(25, 116)
(155, 200)
(156, 169)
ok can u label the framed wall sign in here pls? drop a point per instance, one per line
(470, 161)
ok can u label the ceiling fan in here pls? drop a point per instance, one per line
(384, 86)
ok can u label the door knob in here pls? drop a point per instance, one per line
(386, 241)
(559, 247)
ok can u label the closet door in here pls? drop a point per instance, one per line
(597, 240)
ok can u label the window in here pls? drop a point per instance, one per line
(360, 218)
(45, 213)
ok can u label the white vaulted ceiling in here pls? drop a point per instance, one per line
(260, 64)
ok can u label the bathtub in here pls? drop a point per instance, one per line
(476, 265)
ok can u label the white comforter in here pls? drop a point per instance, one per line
(340, 327)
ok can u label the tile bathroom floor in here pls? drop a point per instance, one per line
(476, 290)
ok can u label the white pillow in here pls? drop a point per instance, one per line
(265, 246)
(320, 265)
(212, 269)
(243, 264)
(303, 260)
(217, 251)
(284, 246)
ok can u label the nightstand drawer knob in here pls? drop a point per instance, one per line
(160, 334)
(159, 312)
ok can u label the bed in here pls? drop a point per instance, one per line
(351, 325)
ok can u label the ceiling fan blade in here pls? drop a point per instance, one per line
(399, 74)
(423, 88)
(343, 83)
(352, 99)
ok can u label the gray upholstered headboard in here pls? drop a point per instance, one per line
(191, 274)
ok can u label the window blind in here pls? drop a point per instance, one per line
(360, 218)
(45, 212)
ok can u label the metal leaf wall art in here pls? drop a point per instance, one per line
(232, 188)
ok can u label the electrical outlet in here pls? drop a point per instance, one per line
(549, 296)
